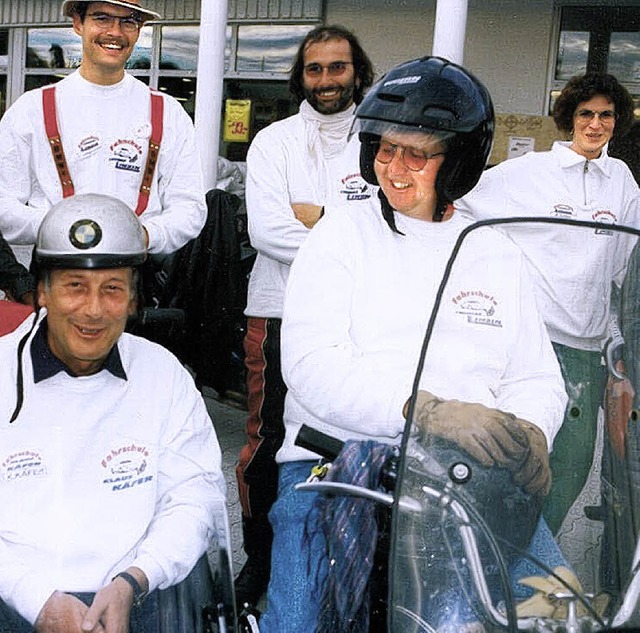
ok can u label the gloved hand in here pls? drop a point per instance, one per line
(490, 436)
(544, 603)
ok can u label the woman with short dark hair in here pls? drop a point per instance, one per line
(573, 270)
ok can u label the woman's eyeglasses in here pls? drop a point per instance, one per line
(104, 21)
(335, 69)
(586, 116)
(413, 158)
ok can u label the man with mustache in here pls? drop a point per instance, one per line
(294, 168)
(99, 133)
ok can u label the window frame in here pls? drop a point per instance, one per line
(597, 53)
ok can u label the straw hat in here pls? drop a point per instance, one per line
(68, 7)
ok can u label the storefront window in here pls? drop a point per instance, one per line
(572, 54)
(269, 101)
(4, 63)
(268, 48)
(183, 89)
(53, 48)
(179, 47)
(598, 39)
(624, 57)
(62, 48)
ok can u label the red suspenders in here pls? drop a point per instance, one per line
(55, 142)
(57, 151)
(157, 117)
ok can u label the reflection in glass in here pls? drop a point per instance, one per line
(4, 48)
(37, 81)
(183, 89)
(267, 47)
(141, 56)
(53, 48)
(3, 94)
(624, 56)
(573, 50)
(60, 47)
(179, 47)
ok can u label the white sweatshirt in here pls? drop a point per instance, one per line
(356, 311)
(105, 133)
(98, 473)
(285, 166)
(572, 268)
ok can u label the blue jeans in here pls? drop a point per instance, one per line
(543, 547)
(298, 560)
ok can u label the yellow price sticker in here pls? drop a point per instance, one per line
(237, 116)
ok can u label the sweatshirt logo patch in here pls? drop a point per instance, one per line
(25, 464)
(477, 307)
(355, 187)
(563, 211)
(125, 467)
(604, 216)
(89, 146)
(126, 155)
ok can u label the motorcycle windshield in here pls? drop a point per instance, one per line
(542, 344)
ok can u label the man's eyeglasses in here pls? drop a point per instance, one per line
(335, 69)
(104, 21)
(586, 116)
(414, 159)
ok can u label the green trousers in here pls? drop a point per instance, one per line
(572, 455)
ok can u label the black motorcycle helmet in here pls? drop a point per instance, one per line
(439, 97)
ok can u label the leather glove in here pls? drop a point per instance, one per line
(490, 436)
(544, 603)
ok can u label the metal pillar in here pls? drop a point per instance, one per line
(449, 30)
(213, 24)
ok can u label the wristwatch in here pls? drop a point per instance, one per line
(139, 594)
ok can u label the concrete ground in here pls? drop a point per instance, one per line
(229, 423)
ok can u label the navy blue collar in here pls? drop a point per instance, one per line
(46, 364)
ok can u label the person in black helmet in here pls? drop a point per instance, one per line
(357, 305)
(110, 476)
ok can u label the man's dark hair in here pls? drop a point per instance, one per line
(80, 9)
(584, 87)
(362, 66)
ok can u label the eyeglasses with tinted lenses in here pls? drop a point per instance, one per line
(586, 116)
(335, 69)
(104, 21)
(414, 159)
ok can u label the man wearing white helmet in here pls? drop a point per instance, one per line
(110, 476)
(100, 130)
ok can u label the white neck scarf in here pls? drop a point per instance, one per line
(326, 137)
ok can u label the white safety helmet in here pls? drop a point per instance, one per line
(90, 231)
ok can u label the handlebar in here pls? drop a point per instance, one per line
(318, 442)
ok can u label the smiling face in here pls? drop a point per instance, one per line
(409, 192)
(105, 51)
(325, 93)
(590, 135)
(87, 311)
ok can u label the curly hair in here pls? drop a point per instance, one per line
(584, 87)
(362, 66)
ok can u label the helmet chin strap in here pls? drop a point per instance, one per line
(443, 208)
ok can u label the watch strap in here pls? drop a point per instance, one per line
(139, 593)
